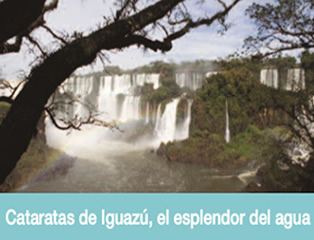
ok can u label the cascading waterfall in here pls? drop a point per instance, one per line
(183, 131)
(295, 79)
(292, 80)
(165, 128)
(118, 99)
(117, 96)
(80, 86)
(227, 130)
(141, 79)
(130, 109)
(158, 117)
(147, 113)
(269, 77)
(190, 80)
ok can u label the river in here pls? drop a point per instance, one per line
(112, 166)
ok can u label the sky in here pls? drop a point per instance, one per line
(86, 15)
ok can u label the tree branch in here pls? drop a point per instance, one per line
(284, 26)
(154, 45)
(6, 85)
(33, 41)
(166, 44)
(205, 21)
(54, 35)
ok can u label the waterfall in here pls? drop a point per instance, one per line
(166, 124)
(269, 77)
(131, 109)
(227, 131)
(115, 95)
(117, 99)
(166, 128)
(158, 118)
(122, 84)
(182, 132)
(147, 113)
(191, 80)
(141, 79)
(295, 79)
(187, 121)
(80, 86)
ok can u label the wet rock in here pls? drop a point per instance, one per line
(162, 150)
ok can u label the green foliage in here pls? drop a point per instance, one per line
(248, 144)
(161, 94)
(282, 25)
(307, 63)
(37, 156)
(205, 151)
(234, 85)
(182, 110)
(212, 151)
(278, 174)
(169, 88)
(4, 108)
(34, 160)
(253, 109)
(155, 67)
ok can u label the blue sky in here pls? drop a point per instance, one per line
(84, 15)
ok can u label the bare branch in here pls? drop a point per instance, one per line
(141, 41)
(76, 123)
(54, 35)
(166, 44)
(33, 41)
(222, 3)
(120, 12)
(282, 49)
(205, 21)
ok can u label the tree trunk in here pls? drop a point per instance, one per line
(17, 15)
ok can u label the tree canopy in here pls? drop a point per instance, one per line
(285, 25)
(282, 26)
